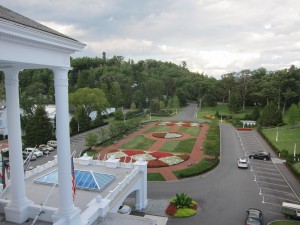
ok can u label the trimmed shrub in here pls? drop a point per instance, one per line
(185, 212)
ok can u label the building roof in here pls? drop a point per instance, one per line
(12, 16)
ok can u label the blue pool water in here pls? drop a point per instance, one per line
(86, 180)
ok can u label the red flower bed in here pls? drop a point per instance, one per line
(160, 154)
(246, 129)
(159, 135)
(126, 159)
(156, 163)
(171, 209)
(133, 152)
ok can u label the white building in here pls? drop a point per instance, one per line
(26, 44)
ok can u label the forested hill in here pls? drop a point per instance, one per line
(126, 82)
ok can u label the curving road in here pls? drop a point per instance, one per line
(223, 194)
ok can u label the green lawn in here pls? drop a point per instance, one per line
(155, 177)
(184, 146)
(138, 142)
(285, 223)
(223, 110)
(194, 131)
(287, 137)
(158, 129)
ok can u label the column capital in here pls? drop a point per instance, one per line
(61, 76)
(11, 76)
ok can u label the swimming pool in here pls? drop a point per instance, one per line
(86, 180)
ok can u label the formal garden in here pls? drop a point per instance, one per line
(170, 144)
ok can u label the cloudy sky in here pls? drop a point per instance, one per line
(212, 36)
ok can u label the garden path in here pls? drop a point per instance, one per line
(195, 156)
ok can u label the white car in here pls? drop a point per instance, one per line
(35, 151)
(242, 163)
(124, 209)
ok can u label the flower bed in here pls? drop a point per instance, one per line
(179, 123)
(167, 135)
(154, 159)
(181, 206)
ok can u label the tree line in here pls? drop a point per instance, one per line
(98, 83)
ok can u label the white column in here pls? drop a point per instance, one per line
(66, 210)
(17, 210)
(141, 199)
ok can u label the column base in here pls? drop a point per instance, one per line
(17, 214)
(72, 218)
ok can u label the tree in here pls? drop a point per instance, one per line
(115, 95)
(73, 125)
(154, 105)
(293, 114)
(87, 100)
(91, 139)
(133, 106)
(244, 83)
(103, 134)
(255, 113)
(83, 119)
(234, 104)
(270, 116)
(38, 128)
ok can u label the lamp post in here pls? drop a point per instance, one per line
(276, 133)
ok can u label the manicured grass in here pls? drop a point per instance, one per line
(285, 223)
(297, 167)
(138, 142)
(223, 110)
(158, 129)
(287, 137)
(194, 131)
(184, 146)
(197, 169)
(155, 177)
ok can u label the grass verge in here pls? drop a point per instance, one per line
(155, 177)
(202, 167)
(285, 223)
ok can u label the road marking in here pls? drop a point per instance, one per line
(277, 190)
(270, 178)
(271, 196)
(264, 170)
(280, 214)
(271, 203)
(272, 184)
(276, 174)
(263, 164)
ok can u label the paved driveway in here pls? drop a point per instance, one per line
(227, 192)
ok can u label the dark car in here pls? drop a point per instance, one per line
(260, 155)
(254, 217)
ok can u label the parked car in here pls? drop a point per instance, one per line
(124, 209)
(35, 151)
(30, 156)
(254, 217)
(291, 210)
(242, 163)
(44, 147)
(260, 155)
(52, 143)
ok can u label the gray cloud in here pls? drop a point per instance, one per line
(212, 36)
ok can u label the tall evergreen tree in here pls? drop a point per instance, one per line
(38, 128)
(270, 116)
